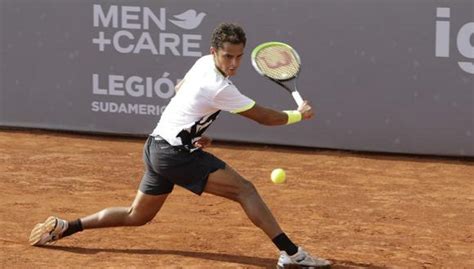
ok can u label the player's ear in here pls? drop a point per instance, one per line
(213, 50)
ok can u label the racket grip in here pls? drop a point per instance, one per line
(298, 99)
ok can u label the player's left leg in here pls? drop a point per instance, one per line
(229, 184)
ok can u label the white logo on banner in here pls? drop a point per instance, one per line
(463, 39)
(134, 86)
(130, 34)
(129, 19)
(188, 20)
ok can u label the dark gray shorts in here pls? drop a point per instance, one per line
(167, 165)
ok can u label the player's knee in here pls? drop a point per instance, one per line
(139, 221)
(246, 190)
(137, 218)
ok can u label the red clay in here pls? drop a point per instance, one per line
(358, 210)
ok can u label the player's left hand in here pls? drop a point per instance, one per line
(203, 142)
(306, 110)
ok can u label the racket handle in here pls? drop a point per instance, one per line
(298, 99)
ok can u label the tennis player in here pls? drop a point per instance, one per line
(174, 155)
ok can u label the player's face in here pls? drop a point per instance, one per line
(228, 58)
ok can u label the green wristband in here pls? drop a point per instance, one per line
(293, 116)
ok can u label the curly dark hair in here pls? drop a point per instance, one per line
(227, 32)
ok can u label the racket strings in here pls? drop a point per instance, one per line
(278, 62)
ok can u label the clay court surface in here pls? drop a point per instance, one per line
(358, 210)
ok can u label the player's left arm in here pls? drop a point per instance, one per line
(271, 117)
(229, 98)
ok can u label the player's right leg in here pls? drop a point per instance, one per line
(152, 193)
(143, 210)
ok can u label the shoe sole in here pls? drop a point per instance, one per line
(296, 266)
(42, 228)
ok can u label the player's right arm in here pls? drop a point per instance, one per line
(178, 86)
(271, 117)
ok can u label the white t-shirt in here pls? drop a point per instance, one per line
(202, 95)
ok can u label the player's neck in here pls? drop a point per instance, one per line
(220, 71)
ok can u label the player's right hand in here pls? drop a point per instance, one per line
(306, 110)
(203, 142)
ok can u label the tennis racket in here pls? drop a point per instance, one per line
(280, 63)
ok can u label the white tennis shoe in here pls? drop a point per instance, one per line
(47, 232)
(301, 259)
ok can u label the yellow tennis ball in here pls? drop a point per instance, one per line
(278, 176)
